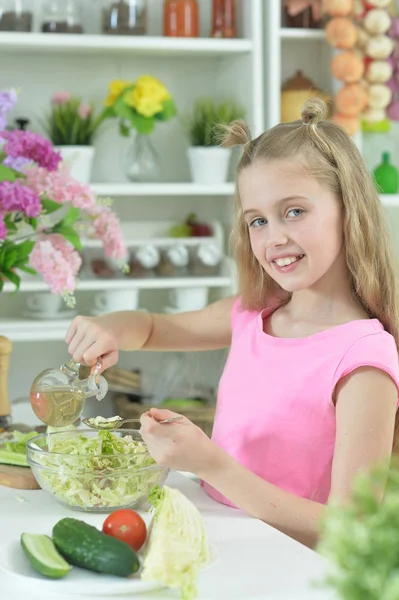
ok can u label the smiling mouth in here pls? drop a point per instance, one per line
(288, 260)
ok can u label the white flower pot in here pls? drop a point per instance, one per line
(209, 165)
(80, 160)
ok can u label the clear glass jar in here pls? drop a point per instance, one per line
(125, 17)
(62, 16)
(15, 16)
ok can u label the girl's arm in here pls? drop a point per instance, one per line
(91, 337)
(365, 413)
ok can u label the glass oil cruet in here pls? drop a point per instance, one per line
(57, 396)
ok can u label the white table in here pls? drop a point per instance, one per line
(254, 560)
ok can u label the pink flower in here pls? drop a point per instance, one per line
(61, 98)
(57, 262)
(15, 197)
(70, 254)
(3, 228)
(32, 146)
(107, 227)
(60, 187)
(84, 111)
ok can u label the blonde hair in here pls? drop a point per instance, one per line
(326, 153)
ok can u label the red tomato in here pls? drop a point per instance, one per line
(126, 525)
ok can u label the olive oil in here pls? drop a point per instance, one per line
(58, 406)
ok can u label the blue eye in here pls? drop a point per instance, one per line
(297, 212)
(259, 222)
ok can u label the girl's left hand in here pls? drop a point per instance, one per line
(181, 445)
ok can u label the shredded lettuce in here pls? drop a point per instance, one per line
(105, 470)
(177, 544)
(19, 441)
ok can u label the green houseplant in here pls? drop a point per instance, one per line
(209, 163)
(362, 539)
(71, 126)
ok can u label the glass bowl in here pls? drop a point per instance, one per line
(80, 469)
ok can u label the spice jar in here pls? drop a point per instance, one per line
(223, 21)
(14, 15)
(295, 91)
(174, 261)
(125, 17)
(62, 16)
(305, 14)
(180, 18)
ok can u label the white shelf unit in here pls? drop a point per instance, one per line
(39, 43)
(139, 190)
(41, 64)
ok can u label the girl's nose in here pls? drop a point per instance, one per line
(276, 236)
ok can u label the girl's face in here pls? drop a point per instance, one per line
(295, 224)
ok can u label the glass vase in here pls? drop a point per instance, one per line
(142, 160)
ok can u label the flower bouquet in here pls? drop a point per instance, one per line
(43, 210)
(138, 106)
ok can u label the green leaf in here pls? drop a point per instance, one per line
(169, 111)
(3, 155)
(24, 249)
(13, 277)
(49, 205)
(7, 174)
(3, 254)
(33, 223)
(1, 283)
(143, 125)
(69, 234)
(124, 129)
(10, 259)
(71, 217)
(27, 269)
(123, 111)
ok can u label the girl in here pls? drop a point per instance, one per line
(309, 392)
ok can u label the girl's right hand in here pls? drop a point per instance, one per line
(91, 338)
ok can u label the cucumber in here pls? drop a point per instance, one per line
(85, 546)
(13, 458)
(43, 555)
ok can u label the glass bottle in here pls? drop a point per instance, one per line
(57, 396)
(180, 18)
(14, 15)
(224, 19)
(62, 16)
(125, 17)
(142, 161)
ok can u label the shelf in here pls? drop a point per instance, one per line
(297, 33)
(155, 283)
(128, 190)
(161, 46)
(25, 330)
(390, 199)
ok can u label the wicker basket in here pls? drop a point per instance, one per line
(202, 416)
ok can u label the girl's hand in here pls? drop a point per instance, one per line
(181, 445)
(90, 338)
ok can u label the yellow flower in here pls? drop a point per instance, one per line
(116, 87)
(148, 96)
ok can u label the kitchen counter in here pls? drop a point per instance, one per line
(253, 560)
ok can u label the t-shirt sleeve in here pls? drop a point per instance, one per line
(375, 350)
(240, 317)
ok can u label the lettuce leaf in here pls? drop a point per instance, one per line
(177, 544)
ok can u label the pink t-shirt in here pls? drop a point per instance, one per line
(275, 413)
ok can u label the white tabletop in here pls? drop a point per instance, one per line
(254, 560)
